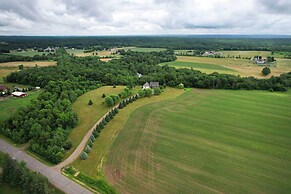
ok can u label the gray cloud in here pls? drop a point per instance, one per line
(96, 17)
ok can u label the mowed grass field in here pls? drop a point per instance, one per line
(205, 141)
(247, 53)
(243, 67)
(29, 53)
(10, 105)
(89, 115)
(93, 165)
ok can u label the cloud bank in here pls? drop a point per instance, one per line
(138, 17)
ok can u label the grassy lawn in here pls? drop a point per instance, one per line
(204, 67)
(241, 67)
(9, 106)
(89, 115)
(203, 141)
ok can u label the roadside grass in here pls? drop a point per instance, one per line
(203, 141)
(89, 115)
(10, 105)
(92, 167)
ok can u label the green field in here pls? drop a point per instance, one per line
(89, 115)
(243, 67)
(199, 66)
(246, 53)
(9, 106)
(137, 49)
(205, 141)
(29, 53)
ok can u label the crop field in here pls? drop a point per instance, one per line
(241, 67)
(93, 165)
(246, 53)
(10, 105)
(205, 141)
(28, 64)
(138, 49)
(204, 67)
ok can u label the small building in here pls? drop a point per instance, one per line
(19, 94)
(3, 88)
(148, 85)
(37, 88)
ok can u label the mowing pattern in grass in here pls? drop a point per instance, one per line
(92, 167)
(89, 115)
(197, 65)
(205, 141)
(9, 106)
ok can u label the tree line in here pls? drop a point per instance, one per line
(18, 175)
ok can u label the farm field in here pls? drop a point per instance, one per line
(204, 141)
(246, 53)
(138, 49)
(93, 165)
(79, 52)
(6, 71)
(28, 64)
(241, 67)
(29, 53)
(9, 106)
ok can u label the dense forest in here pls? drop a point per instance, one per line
(47, 121)
(202, 42)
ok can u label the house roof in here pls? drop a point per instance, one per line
(154, 84)
(146, 84)
(3, 87)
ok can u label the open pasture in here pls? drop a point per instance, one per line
(29, 53)
(205, 141)
(241, 67)
(246, 53)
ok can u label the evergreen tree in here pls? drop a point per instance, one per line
(90, 102)
(120, 106)
(84, 156)
(107, 118)
(87, 149)
(101, 125)
(92, 138)
(103, 95)
(115, 110)
(98, 128)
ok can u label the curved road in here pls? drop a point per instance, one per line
(54, 176)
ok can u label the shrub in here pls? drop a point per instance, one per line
(148, 92)
(120, 106)
(87, 149)
(84, 156)
(266, 71)
(157, 91)
(141, 93)
(95, 133)
(98, 128)
(115, 110)
(90, 143)
(107, 118)
(90, 102)
(92, 138)
(103, 95)
(181, 86)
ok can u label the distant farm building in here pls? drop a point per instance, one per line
(19, 94)
(259, 60)
(211, 54)
(148, 85)
(37, 87)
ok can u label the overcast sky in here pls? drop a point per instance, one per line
(136, 17)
